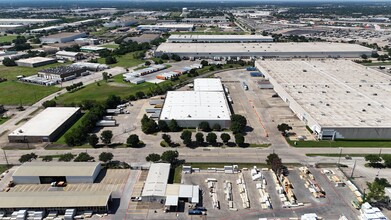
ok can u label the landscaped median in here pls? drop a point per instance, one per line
(341, 143)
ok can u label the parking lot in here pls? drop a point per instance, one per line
(336, 202)
(108, 180)
(263, 111)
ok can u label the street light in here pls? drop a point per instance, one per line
(340, 154)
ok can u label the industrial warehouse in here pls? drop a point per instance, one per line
(46, 173)
(35, 61)
(63, 37)
(206, 103)
(218, 38)
(46, 126)
(264, 50)
(336, 99)
(166, 27)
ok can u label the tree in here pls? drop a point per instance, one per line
(364, 56)
(387, 160)
(186, 137)
(93, 140)
(49, 103)
(83, 157)
(153, 157)
(167, 139)
(163, 126)
(140, 95)
(27, 157)
(216, 127)
(106, 136)
(377, 190)
(147, 63)
(112, 101)
(373, 159)
(110, 60)
(133, 140)
(199, 138)
(173, 126)
(238, 123)
(66, 157)
(149, 127)
(204, 63)
(211, 138)
(105, 156)
(204, 126)
(105, 76)
(170, 156)
(225, 137)
(8, 62)
(283, 128)
(165, 57)
(275, 162)
(239, 139)
(47, 158)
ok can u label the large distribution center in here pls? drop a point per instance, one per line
(55, 201)
(46, 173)
(190, 108)
(166, 27)
(46, 126)
(335, 98)
(188, 38)
(265, 50)
(63, 37)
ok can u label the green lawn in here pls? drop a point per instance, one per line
(7, 38)
(61, 140)
(125, 61)
(2, 120)
(178, 174)
(353, 143)
(3, 168)
(377, 63)
(14, 92)
(337, 155)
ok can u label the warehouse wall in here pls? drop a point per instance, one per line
(195, 123)
(79, 179)
(26, 179)
(360, 133)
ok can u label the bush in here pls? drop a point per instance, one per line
(83, 157)
(66, 157)
(153, 157)
(49, 103)
(239, 139)
(8, 62)
(105, 156)
(164, 144)
(216, 127)
(47, 158)
(27, 157)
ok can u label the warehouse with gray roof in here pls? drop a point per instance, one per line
(189, 38)
(264, 50)
(35, 61)
(336, 99)
(48, 172)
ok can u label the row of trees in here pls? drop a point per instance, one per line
(74, 86)
(169, 156)
(378, 161)
(149, 126)
(210, 138)
(82, 157)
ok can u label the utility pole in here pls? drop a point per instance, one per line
(380, 152)
(354, 167)
(340, 154)
(6, 159)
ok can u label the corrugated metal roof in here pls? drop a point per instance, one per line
(57, 169)
(55, 199)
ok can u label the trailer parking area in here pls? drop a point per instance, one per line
(336, 202)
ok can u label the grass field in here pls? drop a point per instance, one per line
(3, 168)
(7, 38)
(125, 61)
(358, 143)
(2, 120)
(61, 140)
(14, 92)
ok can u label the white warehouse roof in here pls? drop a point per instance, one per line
(46, 122)
(336, 93)
(156, 182)
(217, 38)
(195, 105)
(208, 85)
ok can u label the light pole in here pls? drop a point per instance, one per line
(340, 154)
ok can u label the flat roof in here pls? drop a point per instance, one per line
(64, 34)
(57, 169)
(208, 85)
(67, 53)
(54, 199)
(33, 60)
(336, 93)
(215, 37)
(156, 182)
(260, 47)
(195, 105)
(46, 122)
(166, 25)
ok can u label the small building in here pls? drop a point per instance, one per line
(62, 37)
(120, 23)
(68, 55)
(91, 66)
(97, 201)
(87, 41)
(166, 27)
(92, 49)
(35, 61)
(46, 126)
(62, 73)
(156, 183)
(48, 172)
(208, 85)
